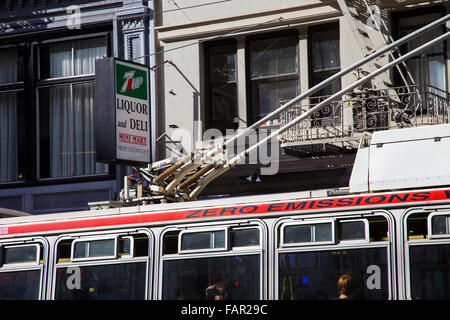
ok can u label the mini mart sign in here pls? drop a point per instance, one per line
(122, 112)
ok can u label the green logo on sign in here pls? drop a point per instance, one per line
(131, 82)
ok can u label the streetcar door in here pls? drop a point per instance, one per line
(326, 258)
(427, 254)
(106, 266)
(201, 262)
(23, 269)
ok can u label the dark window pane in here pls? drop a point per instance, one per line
(20, 254)
(352, 230)
(203, 240)
(314, 275)
(430, 272)
(103, 282)
(222, 96)
(9, 169)
(271, 57)
(188, 279)
(325, 50)
(224, 103)
(245, 237)
(20, 285)
(439, 225)
(95, 248)
(301, 233)
(322, 232)
(267, 95)
(223, 64)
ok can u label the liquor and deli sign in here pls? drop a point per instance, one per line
(122, 112)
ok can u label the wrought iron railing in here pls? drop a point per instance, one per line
(345, 120)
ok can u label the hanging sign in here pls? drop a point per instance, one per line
(122, 112)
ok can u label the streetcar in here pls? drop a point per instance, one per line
(286, 246)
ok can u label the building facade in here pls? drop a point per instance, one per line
(47, 89)
(223, 65)
(216, 65)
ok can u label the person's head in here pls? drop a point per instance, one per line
(347, 285)
(220, 291)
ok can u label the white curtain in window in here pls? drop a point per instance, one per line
(61, 60)
(429, 67)
(85, 52)
(61, 126)
(8, 65)
(72, 149)
(8, 137)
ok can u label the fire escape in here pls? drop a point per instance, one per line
(343, 120)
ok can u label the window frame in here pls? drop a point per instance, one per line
(31, 266)
(69, 81)
(339, 245)
(312, 223)
(430, 225)
(417, 242)
(232, 251)
(18, 87)
(254, 81)
(101, 261)
(203, 230)
(88, 240)
(210, 123)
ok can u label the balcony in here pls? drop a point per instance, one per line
(340, 125)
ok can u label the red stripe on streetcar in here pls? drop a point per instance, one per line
(266, 208)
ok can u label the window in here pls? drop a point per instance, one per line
(21, 270)
(325, 61)
(187, 272)
(11, 109)
(428, 67)
(111, 267)
(66, 96)
(221, 80)
(274, 77)
(208, 240)
(104, 248)
(308, 233)
(312, 258)
(428, 254)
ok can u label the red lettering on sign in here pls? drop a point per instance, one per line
(129, 138)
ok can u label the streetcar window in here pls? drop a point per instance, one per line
(140, 247)
(21, 254)
(126, 246)
(170, 242)
(417, 226)
(244, 237)
(122, 275)
(353, 230)
(314, 275)
(308, 233)
(429, 271)
(203, 240)
(439, 225)
(20, 285)
(114, 281)
(102, 248)
(188, 279)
